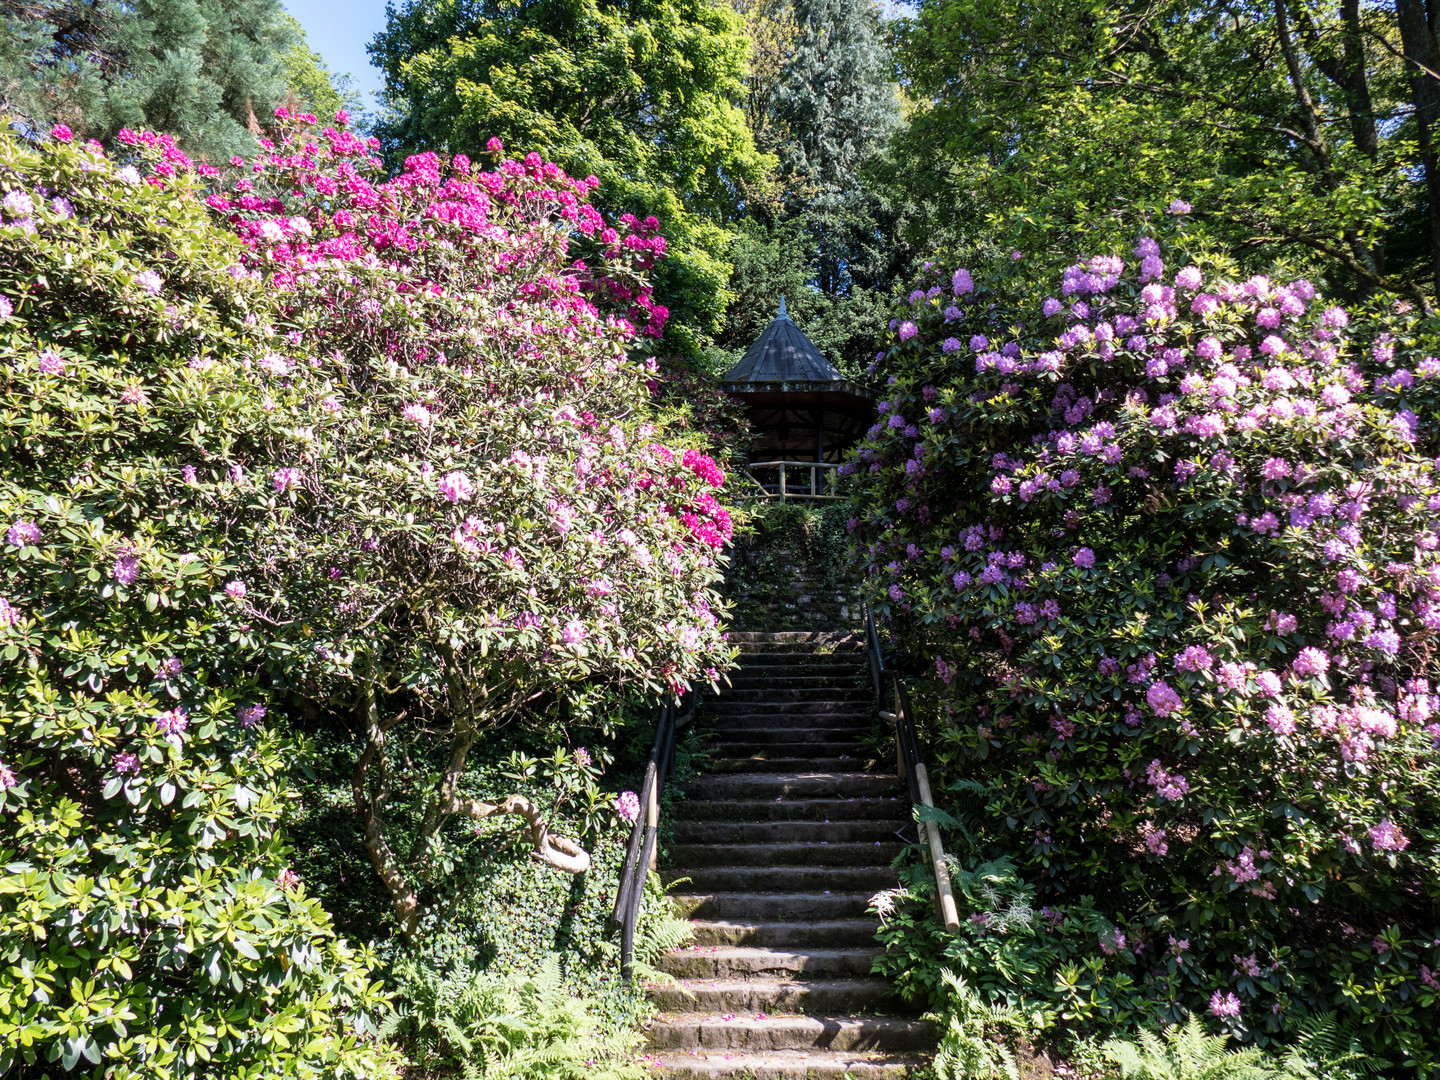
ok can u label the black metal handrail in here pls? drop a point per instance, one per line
(640, 855)
(910, 761)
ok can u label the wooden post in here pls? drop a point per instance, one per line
(782, 481)
(948, 911)
(652, 819)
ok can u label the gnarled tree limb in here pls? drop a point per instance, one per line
(554, 851)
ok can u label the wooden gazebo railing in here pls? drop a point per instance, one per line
(796, 479)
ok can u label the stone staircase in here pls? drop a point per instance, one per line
(783, 842)
(783, 590)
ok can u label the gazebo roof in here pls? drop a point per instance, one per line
(782, 354)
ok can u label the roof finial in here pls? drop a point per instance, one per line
(782, 308)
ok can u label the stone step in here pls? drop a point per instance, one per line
(854, 650)
(787, 935)
(742, 744)
(804, 785)
(789, 735)
(771, 832)
(852, 722)
(825, 881)
(747, 679)
(836, 997)
(761, 763)
(736, 746)
(775, 693)
(768, 707)
(774, 906)
(810, 663)
(852, 809)
(747, 963)
(784, 1065)
(811, 853)
(885, 1034)
(816, 638)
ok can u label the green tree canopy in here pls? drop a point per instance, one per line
(1053, 125)
(822, 94)
(640, 95)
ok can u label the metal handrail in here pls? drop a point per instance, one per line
(640, 855)
(910, 760)
(815, 469)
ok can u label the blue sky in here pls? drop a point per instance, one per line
(339, 30)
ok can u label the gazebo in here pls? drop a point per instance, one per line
(804, 414)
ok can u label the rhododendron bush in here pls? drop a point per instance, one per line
(485, 522)
(1166, 549)
(150, 923)
(380, 444)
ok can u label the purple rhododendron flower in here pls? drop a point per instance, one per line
(1195, 658)
(1386, 836)
(22, 533)
(1163, 699)
(1224, 1005)
(1267, 683)
(172, 722)
(1084, 558)
(126, 569)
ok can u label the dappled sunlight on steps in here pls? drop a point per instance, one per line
(783, 842)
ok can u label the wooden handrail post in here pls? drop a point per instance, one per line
(652, 819)
(782, 481)
(948, 911)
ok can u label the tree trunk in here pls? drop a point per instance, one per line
(1422, 56)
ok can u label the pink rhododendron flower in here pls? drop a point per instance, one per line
(1224, 1005)
(1386, 836)
(1267, 683)
(456, 487)
(1163, 699)
(23, 532)
(627, 806)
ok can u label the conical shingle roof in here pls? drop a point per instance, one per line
(783, 354)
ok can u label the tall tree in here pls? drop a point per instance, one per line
(1416, 21)
(825, 98)
(641, 95)
(1062, 124)
(205, 71)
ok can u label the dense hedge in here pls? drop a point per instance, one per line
(1166, 547)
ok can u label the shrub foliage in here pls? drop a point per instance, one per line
(1166, 548)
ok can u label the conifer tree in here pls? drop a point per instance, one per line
(209, 72)
(830, 105)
